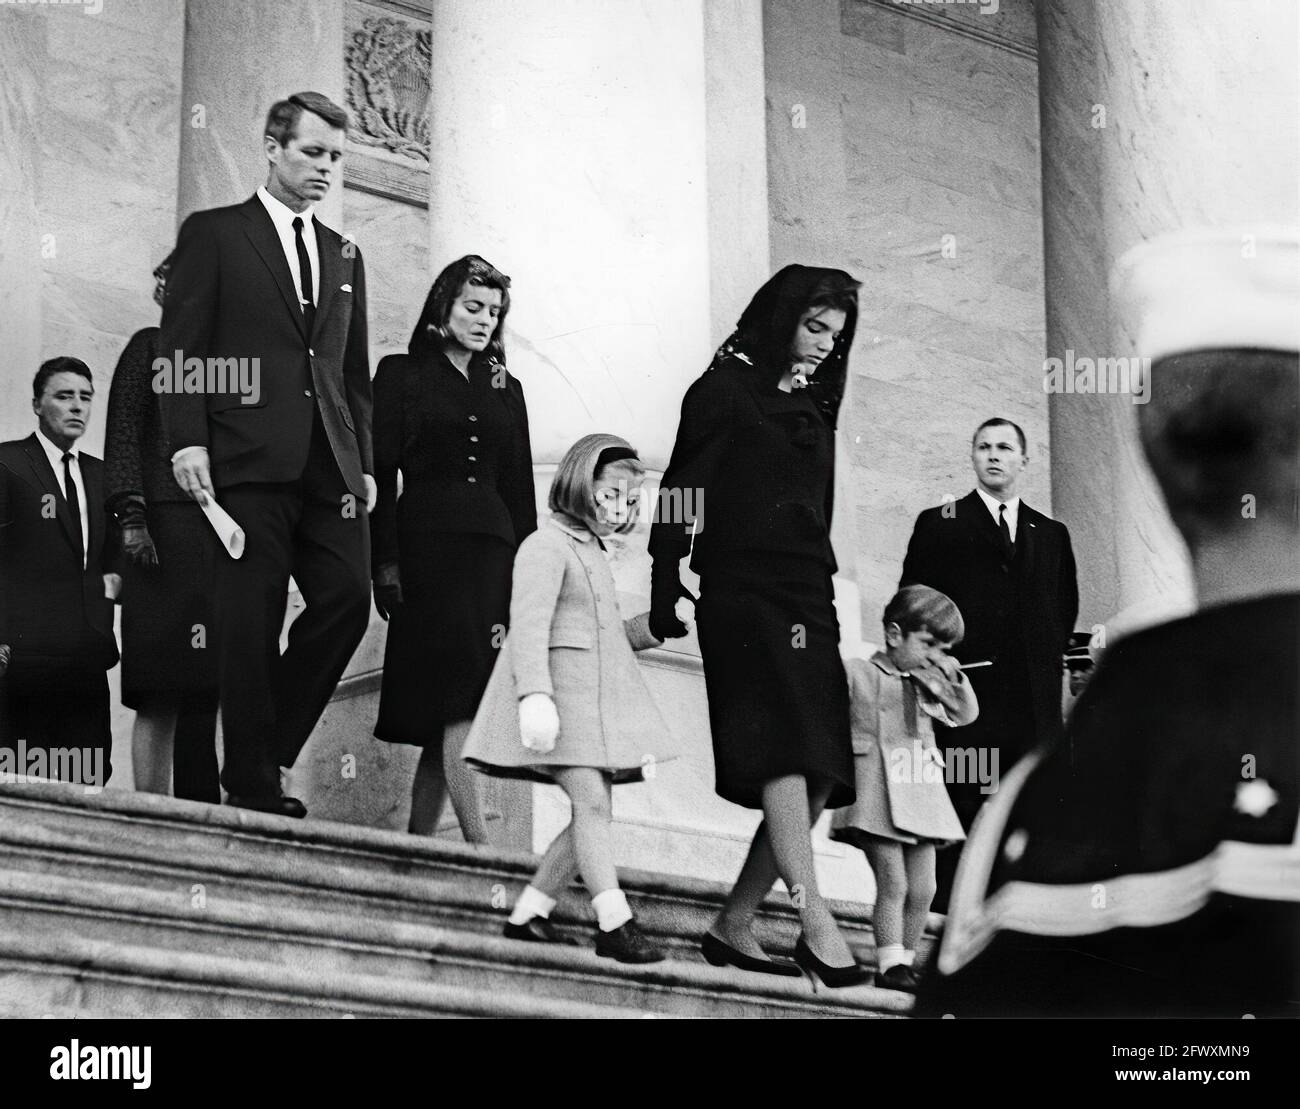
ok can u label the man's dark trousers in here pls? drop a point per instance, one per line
(316, 531)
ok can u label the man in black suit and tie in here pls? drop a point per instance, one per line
(290, 459)
(56, 618)
(1011, 572)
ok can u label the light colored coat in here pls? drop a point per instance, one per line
(568, 640)
(898, 767)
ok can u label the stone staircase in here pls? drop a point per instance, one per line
(123, 904)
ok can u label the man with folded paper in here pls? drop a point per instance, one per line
(1149, 865)
(267, 284)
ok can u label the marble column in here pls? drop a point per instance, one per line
(1155, 116)
(569, 150)
(20, 224)
(239, 60)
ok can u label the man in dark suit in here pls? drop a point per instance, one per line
(56, 616)
(1011, 572)
(288, 454)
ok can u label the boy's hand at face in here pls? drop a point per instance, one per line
(949, 667)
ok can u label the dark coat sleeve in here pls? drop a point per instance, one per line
(1067, 590)
(188, 320)
(356, 369)
(515, 484)
(388, 435)
(703, 436)
(6, 524)
(129, 399)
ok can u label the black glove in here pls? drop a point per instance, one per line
(137, 543)
(665, 588)
(388, 589)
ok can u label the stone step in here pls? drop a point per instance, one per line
(59, 974)
(325, 949)
(195, 852)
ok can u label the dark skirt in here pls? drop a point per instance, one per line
(778, 694)
(168, 644)
(443, 639)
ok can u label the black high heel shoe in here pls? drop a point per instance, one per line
(831, 977)
(722, 954)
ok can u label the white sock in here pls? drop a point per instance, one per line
(611, 909)
(891, 955)
(532, 902)
(908, 958)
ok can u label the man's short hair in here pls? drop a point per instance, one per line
(1222, 436)
(63, 364)
(997, 421)
(282, 119)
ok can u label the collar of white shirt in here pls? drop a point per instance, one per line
(55, 454)
(993, 504)
(281, 214)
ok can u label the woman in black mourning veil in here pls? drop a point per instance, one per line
(754, 457)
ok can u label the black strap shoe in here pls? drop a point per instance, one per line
(537, 930)
(628, 944)
(897, 977)
(277, 806)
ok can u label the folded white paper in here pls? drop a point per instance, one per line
(229, 532)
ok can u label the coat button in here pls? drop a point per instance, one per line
(306, 392)
(473, 419)
(311, 352)
(473, 438)
(471, 479)
(472, 458)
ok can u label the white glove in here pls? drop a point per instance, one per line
(539, 723)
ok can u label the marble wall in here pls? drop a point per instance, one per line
(89, 131)
(890, 136)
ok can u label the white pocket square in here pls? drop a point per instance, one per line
(345, 288)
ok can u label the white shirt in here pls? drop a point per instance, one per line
(56, 460)
(283, 216)
(1012, 514)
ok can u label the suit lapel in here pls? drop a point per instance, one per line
(981, 520)
(49, 481)
(1026, 538)
(331, 270)
(261, 233)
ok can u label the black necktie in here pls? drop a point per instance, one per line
(1003, 527)
(304, 275)
(74, 503)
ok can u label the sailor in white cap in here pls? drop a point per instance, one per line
(1150, 865)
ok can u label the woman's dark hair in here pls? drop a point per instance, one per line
(471, 270)
(767, 327)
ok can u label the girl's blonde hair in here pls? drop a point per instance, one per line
(573, 489)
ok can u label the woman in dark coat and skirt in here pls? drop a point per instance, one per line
(169, 672)
(754, 455)
(452, 419)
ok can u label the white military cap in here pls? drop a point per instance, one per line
(1211, 290)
